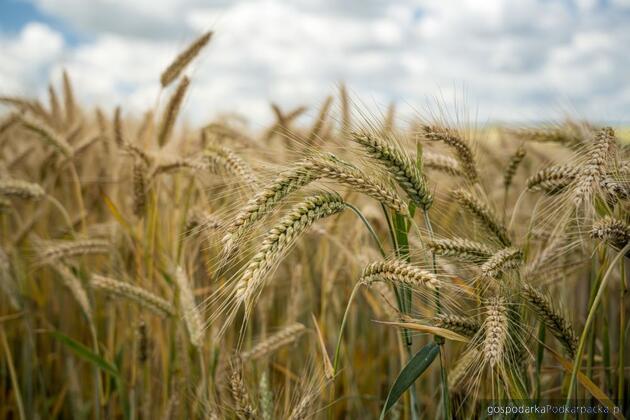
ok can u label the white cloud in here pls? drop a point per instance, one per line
(27, 57)
(514, 59)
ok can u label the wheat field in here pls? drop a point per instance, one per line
(358, 266)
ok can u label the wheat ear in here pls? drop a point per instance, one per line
(189, 308)
(76, 288)
(139, 187)
(484, 214)
(280, 339)
(502, 261)
(222, 157)
(183, 59)
(552, 180)
(396, 271)
(544, 309)
(137, 294)
(459, 324)
(242, 402)
(68, 249)
(512, 167)
(7, 281)
(442, 163)
(456, 142)
(399, 165)
(616, 232)
(495, 331)
(461, 249)
(267, 198)
(171, 112)
(279, 239)
(594, 170)
(47, 134)
(21, 189)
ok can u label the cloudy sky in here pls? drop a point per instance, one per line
(517, 60)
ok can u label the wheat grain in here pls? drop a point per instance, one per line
(459, 374)
(330, 167)
(266, 397)
(267, 198)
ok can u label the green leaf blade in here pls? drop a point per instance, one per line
(408, 375)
